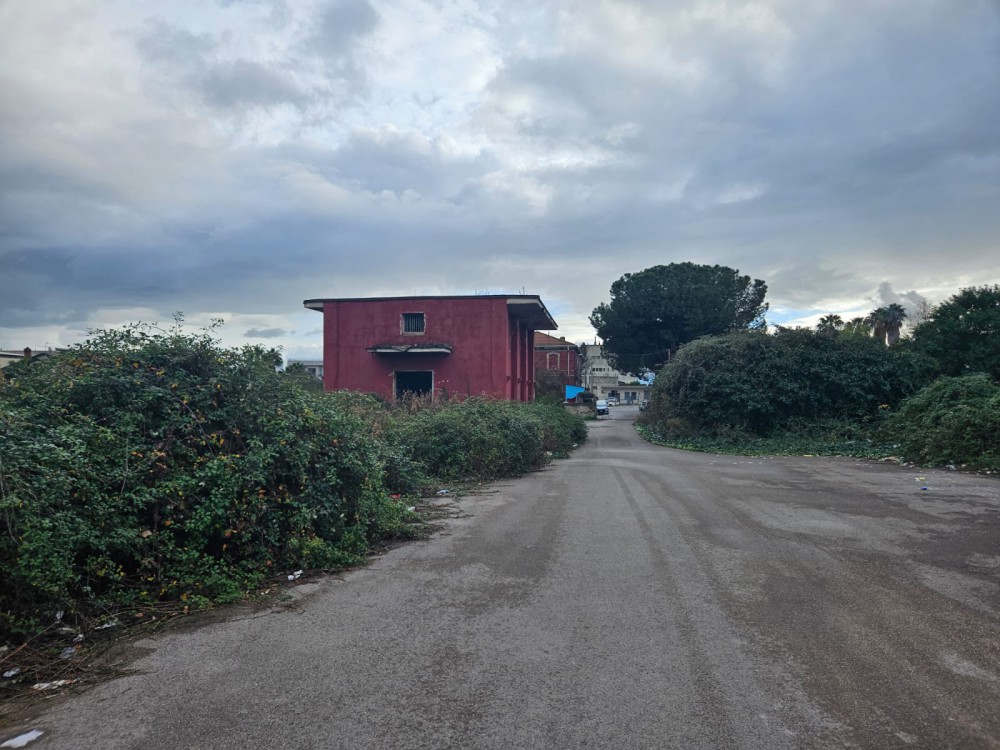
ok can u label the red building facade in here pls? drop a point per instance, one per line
(558, 355)
(465, 345)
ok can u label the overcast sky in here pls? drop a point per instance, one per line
(230, 159)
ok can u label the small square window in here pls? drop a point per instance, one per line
(413, 322)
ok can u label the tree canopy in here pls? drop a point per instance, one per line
(830, 325)
(963, 333)
(760, 383)
(653, 312)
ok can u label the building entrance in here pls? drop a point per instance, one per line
(417, 382)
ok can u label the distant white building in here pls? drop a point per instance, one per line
(313, 366)
(604, 381)
(7, 357)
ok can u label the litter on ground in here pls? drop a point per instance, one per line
(23, 739)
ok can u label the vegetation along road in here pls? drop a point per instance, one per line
(629, 597)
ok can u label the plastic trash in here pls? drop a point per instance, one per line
(110, 624)
(23, 739)
(12, 673)
(67, 652)
(441, 493)
(51, 685)
(295, 576)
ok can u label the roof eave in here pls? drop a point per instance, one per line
(532, 311)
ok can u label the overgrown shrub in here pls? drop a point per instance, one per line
(485, 438)
(954, 420)
(561, 430)
(963, 333)
(757, 383)
(147, 465)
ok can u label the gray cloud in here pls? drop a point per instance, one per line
(389, 159)
(28, 278)
(913, 301)
(248, 83)
(160, 42)
(265, 333)
(260, 154)
(226, 83)
(340, 24)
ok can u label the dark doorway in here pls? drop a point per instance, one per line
(417, 382)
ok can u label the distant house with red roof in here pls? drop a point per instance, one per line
(479, 345)
(558, 354)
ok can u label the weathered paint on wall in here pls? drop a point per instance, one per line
(491, 350)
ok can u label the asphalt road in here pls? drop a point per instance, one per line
(628, 597)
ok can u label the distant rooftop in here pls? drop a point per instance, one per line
(544, 340)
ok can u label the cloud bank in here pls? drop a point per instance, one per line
(234, 158)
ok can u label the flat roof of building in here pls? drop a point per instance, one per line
(526, 307)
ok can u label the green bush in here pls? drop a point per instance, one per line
(484, 438)
(562, 430)
(147, 465)
(963, 333)
(954, 420)
(758, 383)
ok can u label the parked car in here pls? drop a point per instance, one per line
(643, 406)
(601, 406)
(612, 401)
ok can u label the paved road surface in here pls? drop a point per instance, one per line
(629, 597)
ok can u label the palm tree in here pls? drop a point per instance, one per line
(858, 327)
(886, 322)
(895, 315)
(876, 320)
(829, 325)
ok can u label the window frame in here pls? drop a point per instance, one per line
(412, 317)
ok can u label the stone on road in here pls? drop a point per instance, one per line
(628, 597)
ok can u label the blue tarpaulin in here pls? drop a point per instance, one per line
(572, 391)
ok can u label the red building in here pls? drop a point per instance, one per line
(559, 355)
(467, 345)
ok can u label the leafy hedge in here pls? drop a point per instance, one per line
(963, 333)
(759, 383)
(147, 466)
(954, 420)
(483, 438)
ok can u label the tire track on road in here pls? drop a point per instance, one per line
(738, 719)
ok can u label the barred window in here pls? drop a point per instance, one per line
(413, 322)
